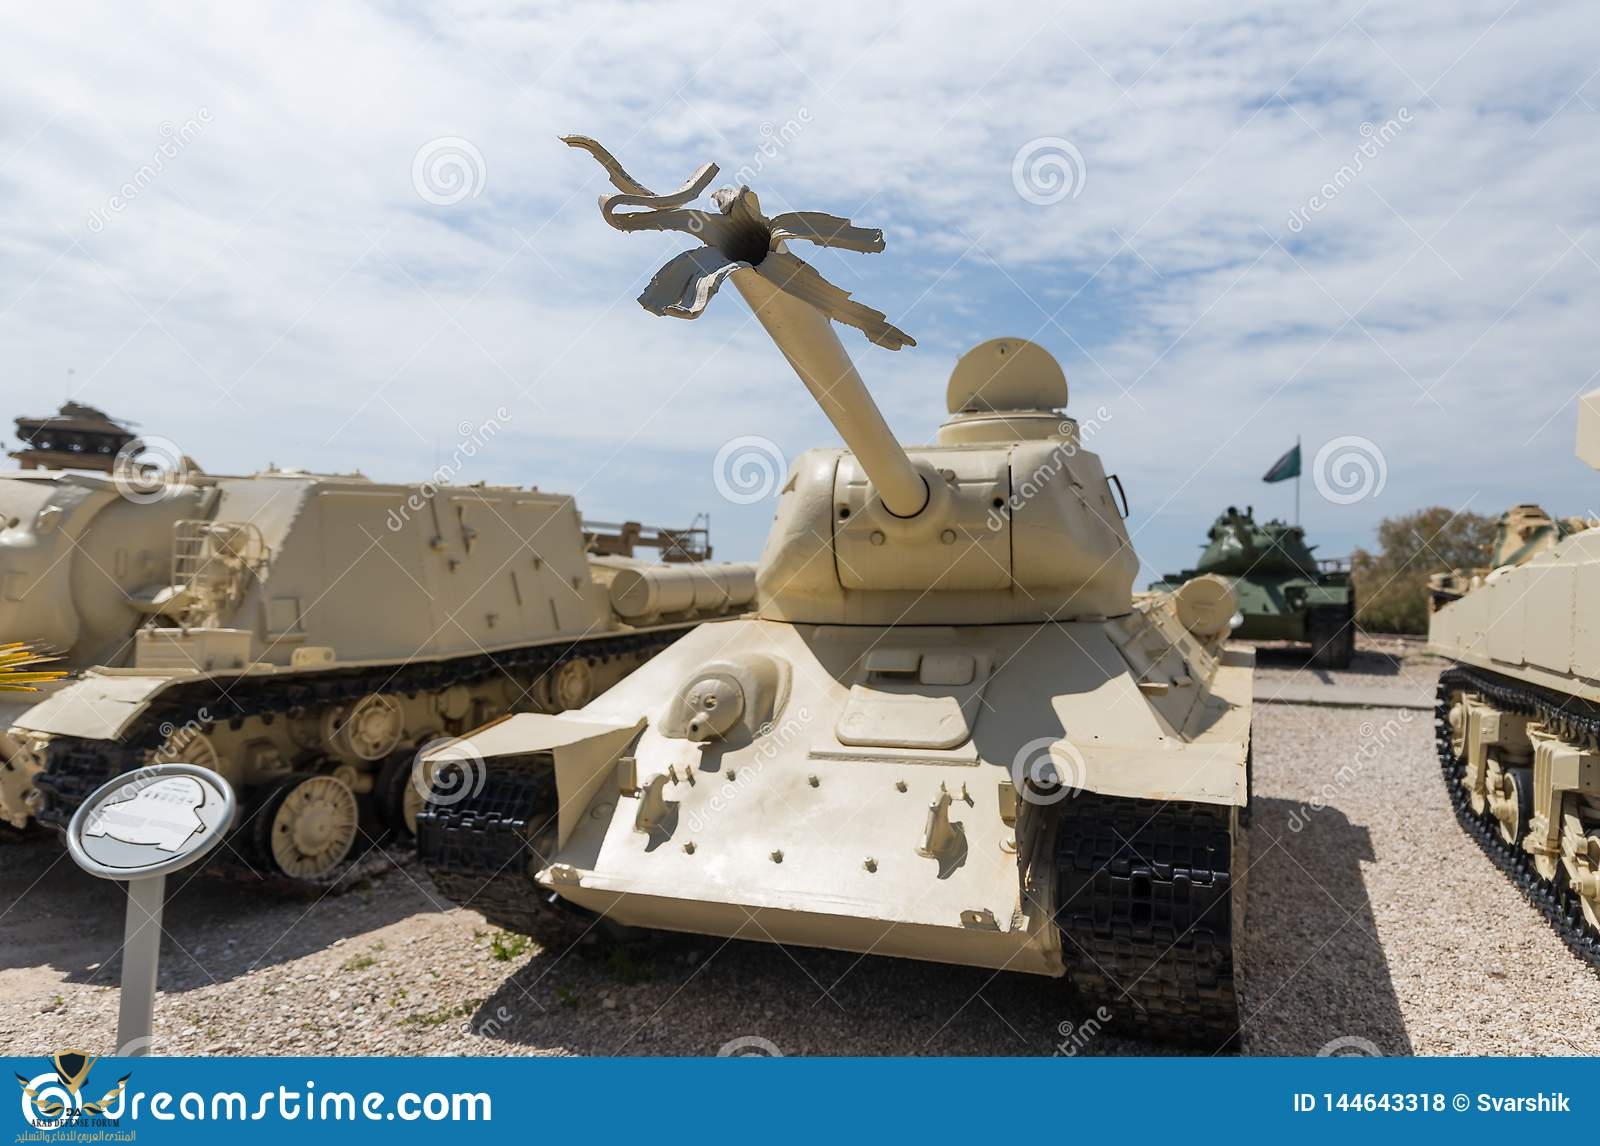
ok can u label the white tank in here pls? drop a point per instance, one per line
(948, 731)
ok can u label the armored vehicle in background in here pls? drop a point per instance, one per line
(303, 634)
(1285, 592)
(76, 437)
(1518, 723)
(1522, 533)
(675, 546)
(948, 732)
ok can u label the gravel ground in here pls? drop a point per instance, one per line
(1372, 917)
(1382, 662)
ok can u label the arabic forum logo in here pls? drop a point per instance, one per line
(55, 1098)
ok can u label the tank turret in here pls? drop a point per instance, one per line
(984, 529)
(1285, 592)
(77, 436)
(1237, 545)
(949, 731)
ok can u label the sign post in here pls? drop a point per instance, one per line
(137, 830)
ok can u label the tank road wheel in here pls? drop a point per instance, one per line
(187, 746)
(1456, 726)
(1510, 800)
(1332, 633)
(369, 731)
(1144, 897)
(310, 826)
(564, 687)
(305, 730)
(398, 794)
(412, 800)
(1585, 883)
(389, 793)
(1474, 782)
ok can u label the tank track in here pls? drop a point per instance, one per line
(1331, 632)
(1577, 721)
(1144, 893)
(481, 852)
(75, 766)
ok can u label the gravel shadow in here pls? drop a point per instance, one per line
(691, 995)
(1313, 973)
(1317, 971)
(57, 915)
(1365, 663)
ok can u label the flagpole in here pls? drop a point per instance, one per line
(1297, 469)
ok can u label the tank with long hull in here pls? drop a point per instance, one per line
(1286, 593)
(304, 634)
(948, 732)
(1518, 723)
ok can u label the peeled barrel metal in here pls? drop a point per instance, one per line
(643, 591)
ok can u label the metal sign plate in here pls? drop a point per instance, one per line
(151, 821)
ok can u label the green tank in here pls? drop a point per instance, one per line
(1285, 592)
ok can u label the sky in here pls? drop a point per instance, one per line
(347, 238)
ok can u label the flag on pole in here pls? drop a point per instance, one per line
(1285, 467)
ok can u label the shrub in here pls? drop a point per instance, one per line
(1392, 584)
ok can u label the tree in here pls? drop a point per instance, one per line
(1392, 584)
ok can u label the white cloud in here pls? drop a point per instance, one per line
(279, 291)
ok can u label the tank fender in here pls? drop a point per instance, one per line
(586, 754)
(96, 706)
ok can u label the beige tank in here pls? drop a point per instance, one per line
(1522, 533)
(1519, 714)
(303, 634)
(948, 732)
